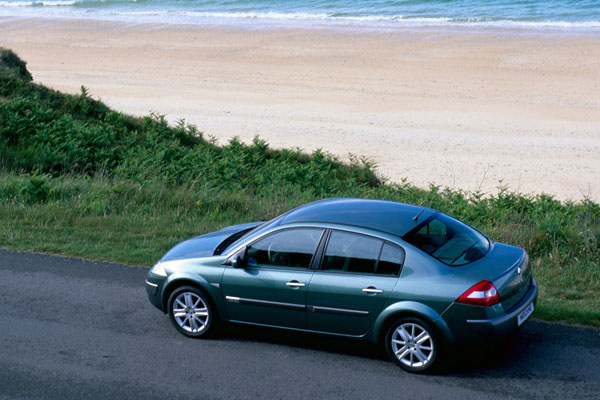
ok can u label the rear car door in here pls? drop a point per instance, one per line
(271, 289)
(357, 275)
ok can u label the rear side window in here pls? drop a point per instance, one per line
(351, 252)
(448, 240)
(356, 253)
(390, 261)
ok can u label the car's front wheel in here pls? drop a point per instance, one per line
(191, 312)
(411, 343)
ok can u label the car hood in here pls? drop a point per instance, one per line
(205, 245)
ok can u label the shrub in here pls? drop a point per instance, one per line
(10, 61)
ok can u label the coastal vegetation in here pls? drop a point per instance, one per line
(80, 179)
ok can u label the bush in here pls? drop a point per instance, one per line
(11, 62)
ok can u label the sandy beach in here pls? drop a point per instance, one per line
(458, 109)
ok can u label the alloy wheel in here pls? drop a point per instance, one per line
(410, 343)
(190, 311)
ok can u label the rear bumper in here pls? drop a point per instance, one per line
(507, 322)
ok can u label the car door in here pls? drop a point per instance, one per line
(357, 275)
(271, 288)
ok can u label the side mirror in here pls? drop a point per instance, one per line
(236, 262)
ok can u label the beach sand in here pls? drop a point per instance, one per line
(465, 110)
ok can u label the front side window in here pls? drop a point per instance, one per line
(291, 248)
(351, 252)
(448, 240)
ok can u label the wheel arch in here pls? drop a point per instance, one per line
(408, 309)
(196, 281)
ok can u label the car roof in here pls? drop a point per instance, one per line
(386, 216)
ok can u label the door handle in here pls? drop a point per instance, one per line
(372, 289)
(295, 284)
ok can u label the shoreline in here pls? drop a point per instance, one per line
(462, 110)
(359, 24)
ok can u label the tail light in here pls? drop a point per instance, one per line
(483, 293)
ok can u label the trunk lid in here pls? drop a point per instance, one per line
(507, 267)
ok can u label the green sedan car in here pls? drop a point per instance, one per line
(408, 277)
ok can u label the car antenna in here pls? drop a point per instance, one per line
(416, 217)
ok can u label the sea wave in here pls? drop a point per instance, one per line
(59, 3)
(188, 16)
(394, 19)
(36, 3)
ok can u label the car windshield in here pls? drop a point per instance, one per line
(448, 240)
(247, 233)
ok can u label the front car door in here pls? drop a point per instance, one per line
(271, 289)
(357, 275)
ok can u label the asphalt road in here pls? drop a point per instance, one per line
(74, 329)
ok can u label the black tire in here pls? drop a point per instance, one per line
(417, 356)
(191, 312)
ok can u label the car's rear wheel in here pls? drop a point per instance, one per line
(411, 343)
(191, 312)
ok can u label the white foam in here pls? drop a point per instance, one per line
(539, 24)
(282, 16)
(397, 20)
(36, 3)
(199, 17)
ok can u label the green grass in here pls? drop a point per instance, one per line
(79, 179)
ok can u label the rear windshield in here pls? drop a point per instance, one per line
(448, 240)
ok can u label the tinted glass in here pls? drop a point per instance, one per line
(252, 232)
(350, 252)
(290, 248)
(390, 261)
(448, 240)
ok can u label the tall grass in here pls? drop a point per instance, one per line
(80, 179)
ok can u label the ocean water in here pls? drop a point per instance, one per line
(560, 15)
